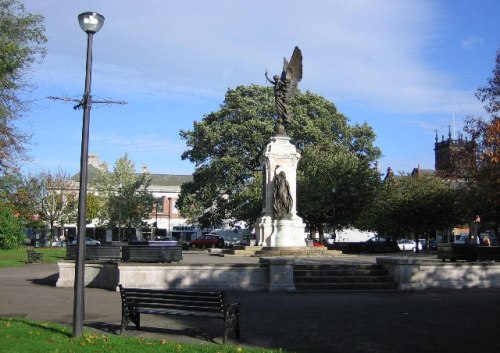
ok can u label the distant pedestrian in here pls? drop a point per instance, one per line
(474, 230)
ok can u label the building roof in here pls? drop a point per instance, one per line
(156, 179)
(169, 179)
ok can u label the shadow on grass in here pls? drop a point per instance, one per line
(115, 329)
(39, 325)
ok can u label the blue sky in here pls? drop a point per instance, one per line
(404, 67)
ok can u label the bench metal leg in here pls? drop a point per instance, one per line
(125, 320)
(232, 321)
(135, 317)
(129, 314)
(34, 256)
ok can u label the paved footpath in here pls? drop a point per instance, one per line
(426, 321)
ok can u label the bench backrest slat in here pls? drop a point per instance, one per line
(160, 291)
(190, 301)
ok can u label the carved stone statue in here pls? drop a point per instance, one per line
(283, 201)
(284, 88)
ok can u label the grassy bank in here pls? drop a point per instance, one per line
(25, 336)
(18, 257)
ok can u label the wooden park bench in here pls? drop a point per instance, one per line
(184, 303)
(34, 256)
(468, 252)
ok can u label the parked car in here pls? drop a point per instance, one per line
(464, 239)
(88, 241)
(207, 241)
(409, 245)
(380, 244)
(232, 240)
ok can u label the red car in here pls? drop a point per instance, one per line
(207, 241)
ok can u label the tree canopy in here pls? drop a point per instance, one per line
(334, 187)
(226, 147)
(477, 164)
(22, 42)
(414, 205)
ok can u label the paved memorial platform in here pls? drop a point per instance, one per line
(396, 321)
(200, 271)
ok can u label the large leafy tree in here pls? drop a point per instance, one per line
(22, 42)
(125, 198)
(227, 145)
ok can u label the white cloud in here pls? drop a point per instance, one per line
(373, 56)
(371, 50)
(471, 42)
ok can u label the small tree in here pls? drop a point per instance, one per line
(416, 205)
(59, 201)
(23, 195)
(125, 196)
(334, 187)
(11, 229)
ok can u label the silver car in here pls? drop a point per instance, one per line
(88, 241)
(409, 245)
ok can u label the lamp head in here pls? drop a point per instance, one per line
(91, 22)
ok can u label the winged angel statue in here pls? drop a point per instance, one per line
(285, 87)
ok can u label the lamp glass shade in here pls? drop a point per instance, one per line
(90, 22)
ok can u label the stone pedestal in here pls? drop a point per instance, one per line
(280, 156)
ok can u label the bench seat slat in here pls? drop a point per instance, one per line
(177, 307)
(181, 312)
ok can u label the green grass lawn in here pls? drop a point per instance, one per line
(26, 336)
(19, 257)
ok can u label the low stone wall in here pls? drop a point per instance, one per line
(236, 277)
(196, 277)
(273, 274)
(416, 274)
(97, 275)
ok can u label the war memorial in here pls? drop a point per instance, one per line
(281, 259)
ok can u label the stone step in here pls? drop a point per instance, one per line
(280, 251)
(339, 273)
(338, 267)
(342, 279)
(338, 277)
(330, 287)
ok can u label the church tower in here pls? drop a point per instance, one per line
(446, 151)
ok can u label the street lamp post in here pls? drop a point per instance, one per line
(120, 212)
(169, 233)
(91, 23)
(155, 224)
(334, 235)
